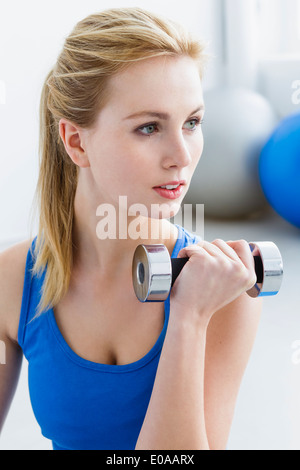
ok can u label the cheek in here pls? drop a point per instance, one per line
(108, 160)
(197, 150)
(128, 173)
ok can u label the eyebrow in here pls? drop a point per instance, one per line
(159, 115)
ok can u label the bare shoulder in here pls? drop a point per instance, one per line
(12, 271)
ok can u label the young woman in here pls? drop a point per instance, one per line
(121, 115)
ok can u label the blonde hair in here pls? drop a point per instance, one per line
(99, 46)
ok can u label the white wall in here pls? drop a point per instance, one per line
(31, 37)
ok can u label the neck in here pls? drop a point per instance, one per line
(106, 242)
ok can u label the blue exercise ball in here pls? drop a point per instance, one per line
(279, 169)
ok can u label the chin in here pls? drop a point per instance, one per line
(164, 211)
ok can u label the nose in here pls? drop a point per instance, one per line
(176, 152)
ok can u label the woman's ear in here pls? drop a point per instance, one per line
(72, 139)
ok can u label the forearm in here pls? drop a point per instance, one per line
(175, 416)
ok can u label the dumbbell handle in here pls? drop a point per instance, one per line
(179, 263)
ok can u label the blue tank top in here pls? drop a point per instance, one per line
(79, 404)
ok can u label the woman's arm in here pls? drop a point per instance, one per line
(12, 269)
(9, 375)
(175, 418)
(205, 351)
(230, 338)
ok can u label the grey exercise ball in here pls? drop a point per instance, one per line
(237, 124)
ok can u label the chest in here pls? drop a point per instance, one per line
(86, 406)
(112, 327)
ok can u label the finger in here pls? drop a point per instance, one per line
(227, 249)
(242, 249)
(214, 249)
(201, 247)
(188, 251)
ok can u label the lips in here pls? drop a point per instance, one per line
(172, 183)
(170, 193)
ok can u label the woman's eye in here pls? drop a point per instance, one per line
(149, 129)
(192, 124)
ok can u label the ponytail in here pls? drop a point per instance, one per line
(55, 195)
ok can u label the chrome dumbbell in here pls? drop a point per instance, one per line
(154, 272)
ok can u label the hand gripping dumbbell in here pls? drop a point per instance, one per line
(154, 272)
